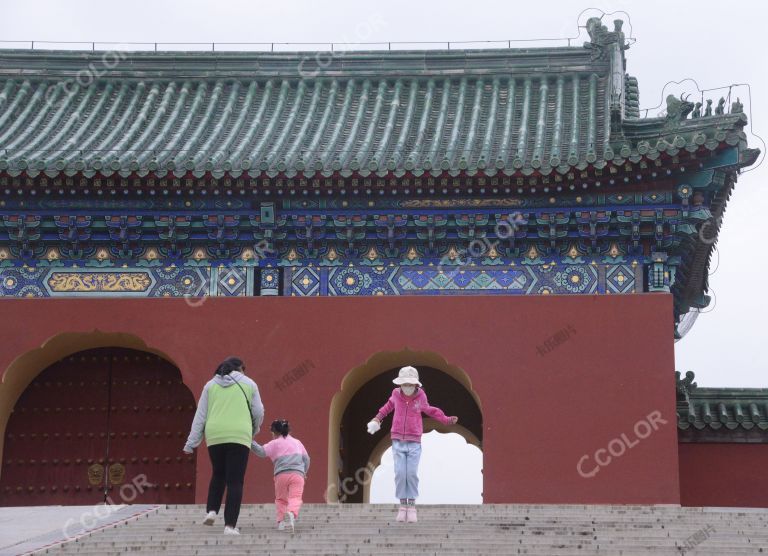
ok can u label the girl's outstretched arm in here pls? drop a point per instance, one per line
(436, 412)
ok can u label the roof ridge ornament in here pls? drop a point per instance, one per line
(684, 386)
(678, 109)
(610, 46)
(600, 37)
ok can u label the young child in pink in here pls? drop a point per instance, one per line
(408, 401)
(291, 465)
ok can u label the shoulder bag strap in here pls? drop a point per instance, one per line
(247, 401)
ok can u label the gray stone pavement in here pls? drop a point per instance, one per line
(24, 530)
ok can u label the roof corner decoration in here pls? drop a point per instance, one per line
(678, 109)
(600, 39)
(611, 45)
(684, 386)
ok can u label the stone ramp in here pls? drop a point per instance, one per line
(30, 529)
(549, 530)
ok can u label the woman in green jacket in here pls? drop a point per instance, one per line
(229, 414)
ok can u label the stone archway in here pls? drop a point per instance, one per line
(23, 370)
(353, 454)
(88, 415)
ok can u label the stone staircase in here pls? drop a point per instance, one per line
(549, 530)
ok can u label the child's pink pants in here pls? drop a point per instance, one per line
(289, 488)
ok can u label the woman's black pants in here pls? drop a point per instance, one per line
(229, 461)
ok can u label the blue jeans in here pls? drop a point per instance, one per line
(406, 456)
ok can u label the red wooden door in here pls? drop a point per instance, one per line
(106, 423)
(152, 411)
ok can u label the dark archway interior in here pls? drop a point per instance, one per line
(442, 390)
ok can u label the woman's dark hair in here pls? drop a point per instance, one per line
(228, 365)
(280, 426)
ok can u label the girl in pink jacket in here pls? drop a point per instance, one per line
(408, 402)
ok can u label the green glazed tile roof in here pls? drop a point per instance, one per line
(515, 111)
(724, 408)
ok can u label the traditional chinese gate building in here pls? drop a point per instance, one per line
(503, 219)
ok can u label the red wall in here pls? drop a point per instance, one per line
(724, 475)
(542, 413)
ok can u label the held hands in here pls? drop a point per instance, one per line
(373, 426)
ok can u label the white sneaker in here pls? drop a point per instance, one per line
(291, 522)
(210, 518)
(231, 530)
(281, 526)
(401, 513)
(410, 515)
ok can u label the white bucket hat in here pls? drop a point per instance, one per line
(407, 375)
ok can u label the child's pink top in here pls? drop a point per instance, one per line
(407, 423)
(287, 453)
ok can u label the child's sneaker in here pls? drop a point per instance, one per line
(411, 514)
(401, 513)
(291, 526)
(231, 530)
(210, 518)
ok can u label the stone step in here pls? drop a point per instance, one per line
(488, 529)
(511, 520)
(455, 544)
(632, 551)
(403, 531)
(364, 528)
(417, 530)
(494, 508)
(500, 549)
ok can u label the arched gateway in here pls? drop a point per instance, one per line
(353, 453)
(103, 423)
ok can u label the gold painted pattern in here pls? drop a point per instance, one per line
(99, 282)
(444, 203)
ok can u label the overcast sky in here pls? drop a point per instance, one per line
(715, 43)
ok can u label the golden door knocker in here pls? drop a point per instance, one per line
(96, 474)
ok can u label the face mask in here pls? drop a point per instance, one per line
(408, 390)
